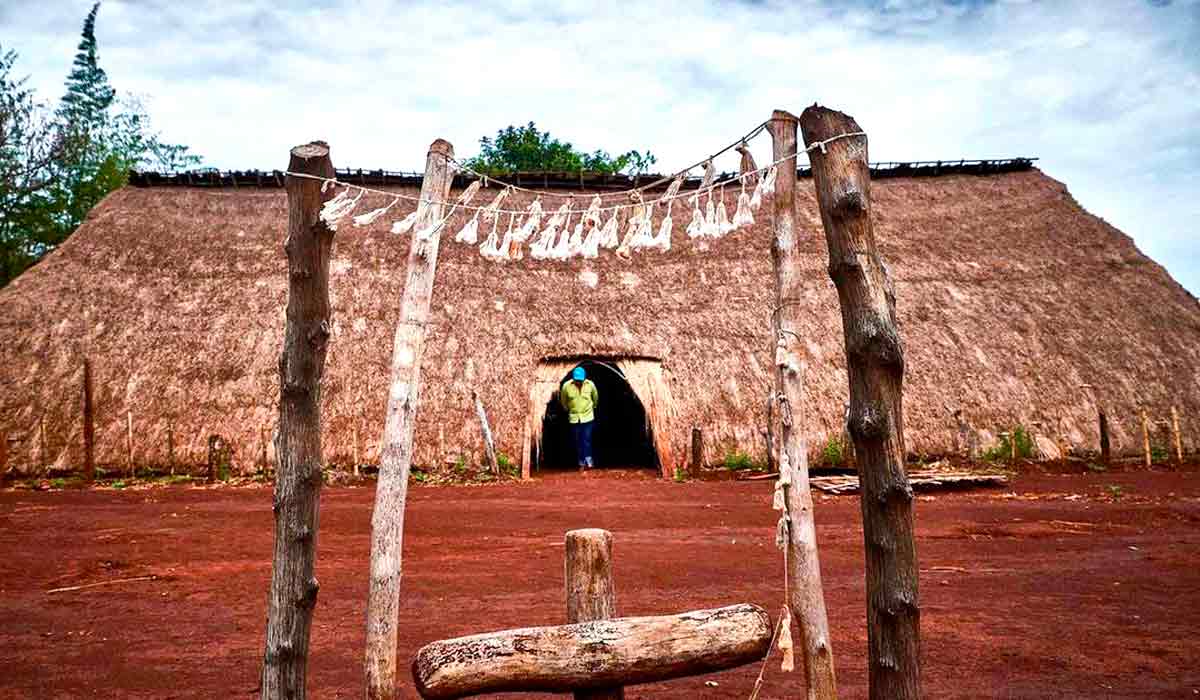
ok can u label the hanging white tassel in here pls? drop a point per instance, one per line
(743, 216)
(592, 215)
(769, 180)
(490, 248)
(405, 225)
(533, 219)
(371, 216)
(511, 249)
(591, 244)
(608, 234)
(338, 207)
(469, 233)
(663, 240)
(785, 643)
(562, 249)
(724, 225)
(759, 191)
(710, 174)
(491, 211)
(711, 228)
(577, 240)
(696, 228)
(557, 219)
(469, 193)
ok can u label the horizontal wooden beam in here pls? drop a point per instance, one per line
(597, 654)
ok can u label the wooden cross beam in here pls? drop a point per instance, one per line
(595, 658)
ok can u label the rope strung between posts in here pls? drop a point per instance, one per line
(551, 235)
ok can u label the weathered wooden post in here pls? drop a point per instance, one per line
(89, 425)
(806, 597)
(298, 442)
(387, 520)
(129, 443)
(1175, 435)
(1146, 438)
(1105, 445)
(697, 451)
(590, 591)
(875, 363)
(42, 452)
(488, 445)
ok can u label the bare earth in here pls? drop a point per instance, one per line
(1055, 588)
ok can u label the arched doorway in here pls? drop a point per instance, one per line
(622, 437)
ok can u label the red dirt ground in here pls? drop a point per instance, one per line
(1053, 588)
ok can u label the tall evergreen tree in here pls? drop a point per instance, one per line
(88, 94)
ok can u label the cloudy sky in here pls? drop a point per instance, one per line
(1105, 92)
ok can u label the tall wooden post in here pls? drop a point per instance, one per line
(387, 521)
(42, 452)
(875, 363)
(489, 446)
(590, 591)
(89, 426)
(1176, 436)
(806, 598)
(171, 447)
(129, 442)
(298, 443)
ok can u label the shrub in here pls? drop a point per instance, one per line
(738, 461)
(1019, 436)
(834, 452)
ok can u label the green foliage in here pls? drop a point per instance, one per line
(737, 460)
(1096, 467)
(506, 465)
(55, 165)
(680, 475)
(119, 484)
(1115, 491)
(527, 149)
(1004, 449)
(58, 483)
(419, 476)
(834, 452)
(460, 466)
(1158, 453)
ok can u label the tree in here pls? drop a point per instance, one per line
(527, 149)
(56, 165)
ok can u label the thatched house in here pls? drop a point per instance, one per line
(1016, 307)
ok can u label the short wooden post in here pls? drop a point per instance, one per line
(396, 448)
(213, 458)
(590, 591)
(89, 426)
(43, 457)
(171, 448)
(1146, 438)
(129, 443)
(806, 597)
(1176, 436)
(357, 461)
(488, 445)
(526, 438)
(1105, 444)
(262, 459)
(1012, 445)
(697, 451)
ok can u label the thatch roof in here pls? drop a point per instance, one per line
(1010, 297)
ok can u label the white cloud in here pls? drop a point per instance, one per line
(1103, 92)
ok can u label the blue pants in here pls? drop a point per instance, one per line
(582, 434)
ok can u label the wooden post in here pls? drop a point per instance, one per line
(298, 442)
(391, 491)
(488, 445)
(875, 364)
(89, 426)
(129, 442)
(590, 592)
(1176, 436)
(3, 457)
(171, 447)
(1146, 438)
(213, 458)
(591, 655)
(526, 437)
(42, 452)
(1105, 445)
(262, 436)
(697, 451)
(806, 598)
(356, 458)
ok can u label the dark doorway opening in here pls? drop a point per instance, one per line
(622, 436)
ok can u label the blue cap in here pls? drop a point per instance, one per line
(578, 374)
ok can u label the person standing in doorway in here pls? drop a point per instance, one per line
(579, 397)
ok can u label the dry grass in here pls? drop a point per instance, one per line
(1010, 298)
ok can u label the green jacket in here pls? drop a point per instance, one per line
(580, 402)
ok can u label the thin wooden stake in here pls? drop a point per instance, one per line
(42, 452)
(1105, 445)
(171, 447)
(1175, 434)
(395, 460)
(488, 445)
(129, 442)
(807, 599)
(1146, 438)
(590, 591)
(875, 369)
(697, 451)
(89, 426)
(298, 454)
(356, 459)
